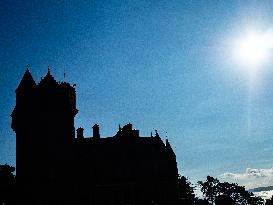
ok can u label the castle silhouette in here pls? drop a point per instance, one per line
(53, 166)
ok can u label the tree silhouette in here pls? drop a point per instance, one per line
(224, 200)
(186, 191)
(7, 184)
(210, 188)
(269, 201)
(202, 202)
(227, 193)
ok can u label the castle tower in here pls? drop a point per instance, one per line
(43, 120)
(23, 123)
(56, 109)
(53, 167)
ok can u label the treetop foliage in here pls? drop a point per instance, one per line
(217, 192)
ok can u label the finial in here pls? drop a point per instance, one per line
(27, 67)
(64, 73)
(156, 134)
(166, 136)
(119, 128)
(48, 70)
(152, 134)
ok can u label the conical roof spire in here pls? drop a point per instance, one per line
(27, 81)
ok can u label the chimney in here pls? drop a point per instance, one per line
(96, 131)
(80, 133)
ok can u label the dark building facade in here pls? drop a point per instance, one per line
(56, 167)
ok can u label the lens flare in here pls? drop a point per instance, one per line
(254, 49)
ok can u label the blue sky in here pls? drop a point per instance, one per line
(162, 65)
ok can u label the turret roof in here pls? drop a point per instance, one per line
(26, 82)
(48, 79)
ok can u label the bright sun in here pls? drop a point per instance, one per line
(254, 49)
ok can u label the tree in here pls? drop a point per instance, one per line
(224, 200)
(210, 188)
(202, 202)
(7, 184)
(213, 189)
(186, 190)
(269, 201)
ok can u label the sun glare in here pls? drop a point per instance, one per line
(254, 49)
